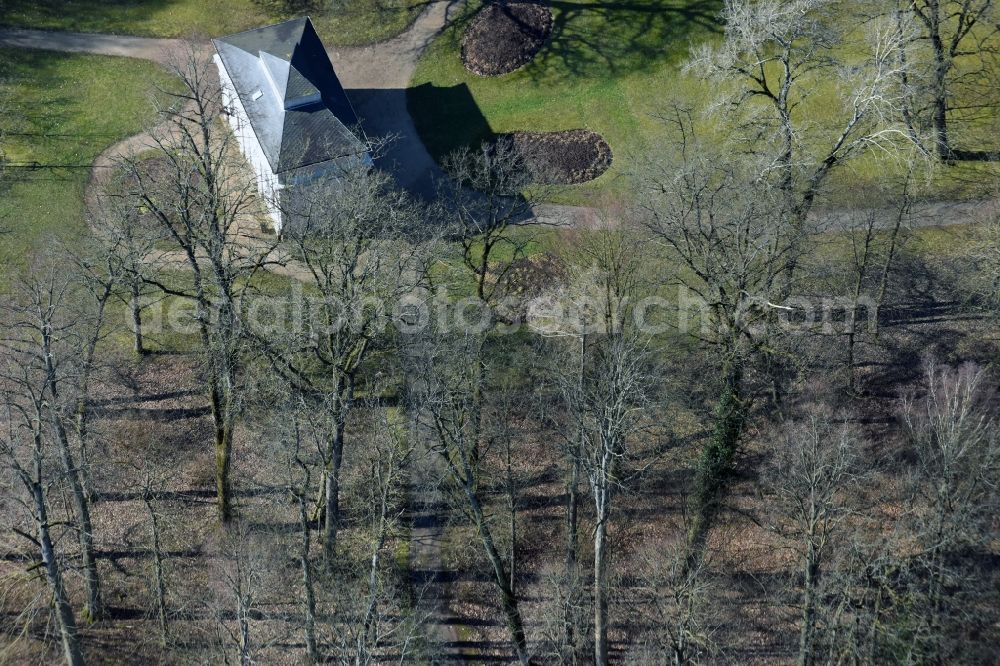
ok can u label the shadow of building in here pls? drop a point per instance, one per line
(384, 114)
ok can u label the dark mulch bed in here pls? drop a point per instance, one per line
(504, 36)
(564, 158)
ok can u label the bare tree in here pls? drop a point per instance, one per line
(726, 247)
(675, 606)
(486, 197)
(814, 470)
(605, 398)
(910, 587)
(382, 624)
(101, 270)
(247, 575)
(357, 612)
(201, 196)
(300, 486)
(953, 495)
(124, 243)
(875, 233)
(25, 444)
(562, 619)
(610, 411)
(156, 546)
(950, 48)
(773, 55)
(44, 340)
(360, 245)
(483, 202)
(447, 380)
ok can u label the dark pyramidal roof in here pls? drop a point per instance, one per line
(293, 98)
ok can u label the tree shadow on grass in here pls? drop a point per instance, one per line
(607, 38)
(600, 39)
(82, 15)
(37, 102)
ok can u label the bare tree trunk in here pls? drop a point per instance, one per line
(245, 656)
(861, 270)
(223, 453)
(601, 591)
(812, 471)
(64, 612)
(901, 213)
(158, 572)
(334, 461)
(72, 470)
(940, 84)
(307, 580)
(83, 392)
(135, 307)
(512, 509)
(808, 630)
(331, 511)
(572, 550)
(94, 606)
(223, 467)
(508, 600)
(572, 523)
(366, 645)
(216, 398)
(907, 106)
(243, 584)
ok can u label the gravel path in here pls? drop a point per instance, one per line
(157, 50)
(375, 77)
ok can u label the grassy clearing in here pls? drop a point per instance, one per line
(61, 112)
(612, 68)
(347, 23)
(607, 68)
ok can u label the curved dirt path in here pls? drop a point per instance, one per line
(278, 261)
(376, 78)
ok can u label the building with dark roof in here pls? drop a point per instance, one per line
(290, 114)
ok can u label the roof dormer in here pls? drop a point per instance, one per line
(290, 86)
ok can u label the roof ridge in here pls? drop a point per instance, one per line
(305, 116)
(307, 18)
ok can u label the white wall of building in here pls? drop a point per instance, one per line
(268, 184)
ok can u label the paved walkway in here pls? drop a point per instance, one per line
(375, 77)
(157, 50)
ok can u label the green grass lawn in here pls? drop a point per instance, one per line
(63, 110)
(347, 22)
(608, 67)
(612, 67)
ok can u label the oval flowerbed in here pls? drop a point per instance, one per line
(504, 36)
(563, 158)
